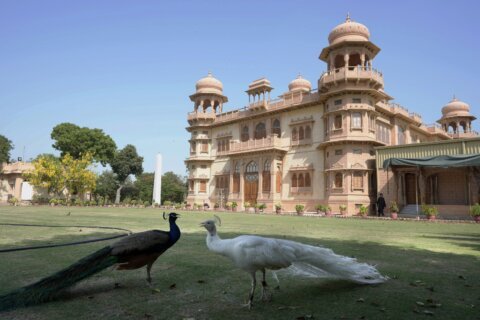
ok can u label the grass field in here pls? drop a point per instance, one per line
(434, 268)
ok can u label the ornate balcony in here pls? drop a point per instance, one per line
(268, 143)
(201, 118)
(357, 74)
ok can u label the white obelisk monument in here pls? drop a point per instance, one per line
(157, 182)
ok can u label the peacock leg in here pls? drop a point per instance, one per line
(265, 295)
(276, 279)
(149, 277)
(252, 291)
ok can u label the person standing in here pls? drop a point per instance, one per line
(381, 205)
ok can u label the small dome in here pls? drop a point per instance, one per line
(348, 31)
(300, 84)
(209, 84)
(456, 108)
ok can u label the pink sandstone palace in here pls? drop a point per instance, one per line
(307, 146)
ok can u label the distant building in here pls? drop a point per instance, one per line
(307, 146)
(12, 184)
(445, 174)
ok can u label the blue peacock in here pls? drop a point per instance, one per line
(132, 252)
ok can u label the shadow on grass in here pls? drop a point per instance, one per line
(416, 276)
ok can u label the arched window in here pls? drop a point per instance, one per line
(294, 134)
(267, 166)
(354, 60)
(338, 180)
(308, 183)
(339, 61)
(276, 129)
(252, 167)
(294, 180)
(308, 133)
(245, 136)
(301, 181)
(260, 131)
(219, 145)
(301, 134)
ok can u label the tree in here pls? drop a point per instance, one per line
(106, 185)
(78, 179)
(47, 174)
(173, 187)
(67, 174)
(144, 185)
(126, 162)
(74, 140)
(5, 147)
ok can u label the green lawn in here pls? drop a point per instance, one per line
(434, 264)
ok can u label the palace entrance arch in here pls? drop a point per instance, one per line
(251, 183)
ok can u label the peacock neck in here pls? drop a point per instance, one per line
(214, 242)
(174, 232)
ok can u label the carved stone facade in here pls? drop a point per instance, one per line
(307, 146)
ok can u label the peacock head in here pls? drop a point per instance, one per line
(210, 224)
(172, 216)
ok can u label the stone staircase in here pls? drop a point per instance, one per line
(410, 211)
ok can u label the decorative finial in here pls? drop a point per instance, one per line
(299, 76)
(454, 98)
(348, 17)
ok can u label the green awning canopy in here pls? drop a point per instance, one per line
(438, 161)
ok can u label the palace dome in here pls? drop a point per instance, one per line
(300, 84)
(209, 84)
(349, 31)
(456, 108)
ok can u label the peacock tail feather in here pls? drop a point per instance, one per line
(51, 287)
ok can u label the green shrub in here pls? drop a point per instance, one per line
(363, 210)
(167, 203)
(40, 199)
(234, 204)
(278, 206)
(393, 206)
(475, 210)
(13, 201)
(262, 206)
(299, 208)
(429, 211)
(343, 208)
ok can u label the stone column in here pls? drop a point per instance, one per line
(242, 177)
(365, 121)
(260, 179)
(362, 59)
(273, 174)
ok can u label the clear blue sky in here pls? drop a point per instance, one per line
(128, 67)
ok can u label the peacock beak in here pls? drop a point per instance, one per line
(202, 224)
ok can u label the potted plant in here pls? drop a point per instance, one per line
(278, 208)
(261, 207)
(216, 206)
(319, 208)
(362, 211)
(343, 209)
(228, 205)
(300, 209)
(13, 201)
(430, 211)
(394, 210)
(234, 206)
(475, 212)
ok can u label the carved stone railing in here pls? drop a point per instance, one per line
(252, 145)
(354, 73)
